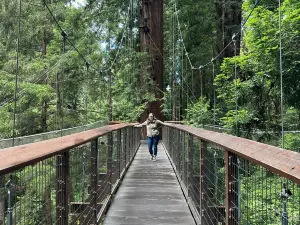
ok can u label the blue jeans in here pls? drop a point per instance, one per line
(153, 141)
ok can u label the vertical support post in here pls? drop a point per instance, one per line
(109, 160)
(184, 159)
(190, 165)
(125, 147)
(83, 176)
(94, 179)
(181, 146)
(203, 186)
(128, 145)
(9, 205)
(64, 38)
(169, 140)
(231, 203)
(2, 200)
(9, 208)
(130, 142)
(62, 188)
(284, 213)
(179, 151)
(173, 143)
(177, 148)
(119, 153)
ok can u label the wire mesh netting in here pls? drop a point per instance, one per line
(72, 187)
(224, 188)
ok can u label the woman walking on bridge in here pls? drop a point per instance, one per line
(152, 133)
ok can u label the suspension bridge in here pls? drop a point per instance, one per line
(101, 173)
(200, 177)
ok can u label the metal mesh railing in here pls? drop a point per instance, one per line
(230, 180)
(70, 182)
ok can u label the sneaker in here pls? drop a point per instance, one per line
(154, 158)
(151, 157)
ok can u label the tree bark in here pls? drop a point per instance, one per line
(229, 17)
(151, 37)
(44, 45)
(44, 116)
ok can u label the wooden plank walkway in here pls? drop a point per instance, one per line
(149, 194)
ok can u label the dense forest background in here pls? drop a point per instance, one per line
(95, 75)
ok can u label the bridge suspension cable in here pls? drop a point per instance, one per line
(281, 75)
(17, 73)
(236, 34)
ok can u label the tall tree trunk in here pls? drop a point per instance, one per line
(58, 103)
(228, 23)
(152, 40)
(44, 116)
(44, 45)
(110, 102)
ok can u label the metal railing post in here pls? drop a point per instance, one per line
(203, 188)
(284, 214)
(130, 143)
(119, 153)
(94, 179)
(9, 205)
(125, 147)
(62, 187)
(190, 165)
(231, 203)
(109, 160)
(177, 149)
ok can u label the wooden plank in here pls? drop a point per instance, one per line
(149, 194)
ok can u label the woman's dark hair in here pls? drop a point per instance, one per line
(154, 119)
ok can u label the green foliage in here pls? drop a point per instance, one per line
(291, 141)
(54, 86)
(199, 113)
(236, 120)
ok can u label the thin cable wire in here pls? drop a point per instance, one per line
(235, 85)
(214, 93)
(17, 72)
(281, 76)
(237, 34)
(164, 59)
(63, 32)
(181, 36)
(33, 81)
(121, 42)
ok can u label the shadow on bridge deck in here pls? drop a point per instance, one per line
(149, 194)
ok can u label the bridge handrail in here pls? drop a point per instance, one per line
(280, 161)
(14, 158)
